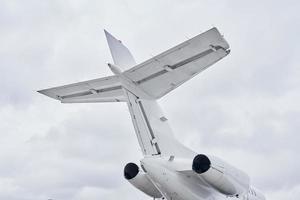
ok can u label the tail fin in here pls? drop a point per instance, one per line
(120, 53)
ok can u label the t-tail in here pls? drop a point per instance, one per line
(141, 85)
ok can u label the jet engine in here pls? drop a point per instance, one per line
(140, 180)
(220, 175)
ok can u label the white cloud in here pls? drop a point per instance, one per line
(244, 109)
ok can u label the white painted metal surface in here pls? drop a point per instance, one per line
(170, 169)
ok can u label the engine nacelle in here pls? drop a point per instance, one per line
(220, 175)
(140, 180)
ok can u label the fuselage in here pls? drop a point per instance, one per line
(185, 185)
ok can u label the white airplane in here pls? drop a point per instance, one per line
(168, 170)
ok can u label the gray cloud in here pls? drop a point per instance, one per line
(244, 109)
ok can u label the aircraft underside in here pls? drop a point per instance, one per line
(168, 169)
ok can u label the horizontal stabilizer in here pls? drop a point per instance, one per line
(166, 71)
(151, 79)
(107, 89)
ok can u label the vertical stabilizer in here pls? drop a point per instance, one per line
(152, 128)
(120, 53)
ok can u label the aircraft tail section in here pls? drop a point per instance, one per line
(141, 85)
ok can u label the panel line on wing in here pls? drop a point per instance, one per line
(181, 63)
(195, 57)
(151, 76)
(91, 91)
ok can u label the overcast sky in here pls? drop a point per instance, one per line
(244, 109)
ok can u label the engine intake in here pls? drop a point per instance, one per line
(201, 164)
(221, 176)
(140, 180)
(130, 171)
